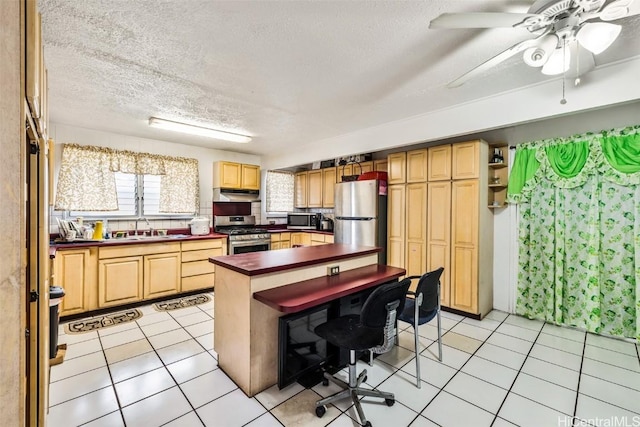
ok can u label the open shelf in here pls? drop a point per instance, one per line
(498, 176)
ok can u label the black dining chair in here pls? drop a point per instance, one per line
(373, 329)
(421, 306)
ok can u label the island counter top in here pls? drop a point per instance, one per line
(256, 263)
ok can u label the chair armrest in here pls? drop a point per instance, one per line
(413, 277)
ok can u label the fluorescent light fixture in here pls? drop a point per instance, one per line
(197, 130)
(598, 36)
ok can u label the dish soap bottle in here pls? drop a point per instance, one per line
(97, 231)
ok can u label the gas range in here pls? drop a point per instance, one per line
(244, 236)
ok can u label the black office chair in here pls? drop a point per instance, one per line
(373, 329)
(421, 307)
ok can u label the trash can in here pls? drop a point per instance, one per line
(55, 298)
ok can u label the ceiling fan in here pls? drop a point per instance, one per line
(563, 29)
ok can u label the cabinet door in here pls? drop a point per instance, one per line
(396, 225)
(74, 270)
(416, 231)
(314, 186)
(300, 184)
(439, 163)
(328, 187)
(345, 170)
(365, 167)
(285, 244)
(275, 246)
(417, 166)
(464, 245)
(439, 234)
(161, 275)
(380, 165)
(227, 175)
(466, 160)
(250, 177)
(396, 168)
(119, 281)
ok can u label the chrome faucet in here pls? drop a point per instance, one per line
(141, 218)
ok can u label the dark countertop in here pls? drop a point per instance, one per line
(256, 263)
(55, 246)
(313, 292)
(286, 230)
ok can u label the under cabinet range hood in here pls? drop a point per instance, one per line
(235, 195)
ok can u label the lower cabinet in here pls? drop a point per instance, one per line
(161, 275)
(131, 273)
(320, 239)
(119, 281)
(299, 239)
(197, 271)
(75, 270)
(280, 241)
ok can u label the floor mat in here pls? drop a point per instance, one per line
(111, 319)
(182, 302)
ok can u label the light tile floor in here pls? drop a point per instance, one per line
(502, 371)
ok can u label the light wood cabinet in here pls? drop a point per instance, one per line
(396, 168)
(460, 228)
(314, 188)
(196, 270)
(236, 176)
(131, 273)
(396, 205)
(320, 239)
(300, 185)
(250, 177)
(439, 163)
(300, 238)
(328, 187)
(380, 165)
(417, 166)
(280, 241)
(34, 58)
(416, 228)
(466, 160)
(75, 270)
(119, 281)
(161, 275)
(364, 167)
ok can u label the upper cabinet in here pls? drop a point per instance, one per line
(300, 187)
(454, 161)
(439, 163)
(236, 176)
(416, 166)
(396, 168)
(328, 187)
(314, 188)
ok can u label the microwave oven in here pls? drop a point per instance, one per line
(302, 221)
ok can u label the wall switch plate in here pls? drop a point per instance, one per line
(333, 270)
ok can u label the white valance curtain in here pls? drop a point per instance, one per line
(86, 181)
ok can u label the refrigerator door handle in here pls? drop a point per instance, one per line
(368, 218)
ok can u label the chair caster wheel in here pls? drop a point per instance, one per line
(367, 424)
(320, 411)
(325, 382)
(364, 380)
(389, 402)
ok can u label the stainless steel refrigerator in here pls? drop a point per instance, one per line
(361, 215)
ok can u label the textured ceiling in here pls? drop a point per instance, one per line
(287, 72)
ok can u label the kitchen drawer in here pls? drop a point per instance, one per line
(200, 281)
(317, 237)
(328, 238)
(203, 244)
(197, 267)
(275, 237)
(285, 236)
(136, 250)
(202, 254)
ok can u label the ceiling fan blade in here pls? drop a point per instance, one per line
(502, 56)
(478, 20)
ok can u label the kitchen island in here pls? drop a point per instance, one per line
(246, 324)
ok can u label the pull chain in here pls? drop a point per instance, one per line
(564, 72)
(577, 81)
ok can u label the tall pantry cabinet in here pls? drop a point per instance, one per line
(460, 225)
(438, 217)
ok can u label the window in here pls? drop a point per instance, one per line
(280, 192)
(98, 181)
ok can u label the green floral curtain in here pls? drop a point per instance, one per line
(579, 231)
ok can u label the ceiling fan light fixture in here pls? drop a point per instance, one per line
(537, 56)
(598, 36)
(197, 130)
(558, 63)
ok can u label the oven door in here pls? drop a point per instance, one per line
(242, 247)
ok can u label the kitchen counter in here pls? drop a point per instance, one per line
(55, 246)
(246, 330)
(256, 263)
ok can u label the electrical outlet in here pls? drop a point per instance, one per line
(333, 270)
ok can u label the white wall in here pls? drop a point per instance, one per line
(62, 134)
